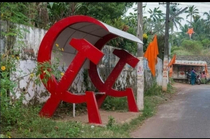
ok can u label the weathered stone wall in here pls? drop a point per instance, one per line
(34, 93)
(3, 28)
(127, 77)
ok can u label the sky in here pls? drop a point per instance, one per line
(201, 6)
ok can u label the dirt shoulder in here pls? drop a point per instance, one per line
(119, 117)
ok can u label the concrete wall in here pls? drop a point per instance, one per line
(34, 93)
(148, 75)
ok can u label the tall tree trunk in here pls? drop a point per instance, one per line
(32, 13)
(72, 11)
(43, 16)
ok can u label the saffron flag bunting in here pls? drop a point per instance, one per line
(151, 54)
(172, 61)
(170, 65)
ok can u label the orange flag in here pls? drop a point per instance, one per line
(172, 61)
(151, 54)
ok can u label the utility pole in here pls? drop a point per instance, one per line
(140, 68)
(165, 60)
(166, 48)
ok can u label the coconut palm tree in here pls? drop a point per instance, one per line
(155, 20)
(192, 11)
(156, 14)
(176, 21)
(207, 14)
(198, 27)
(182, 35)
(207, 21)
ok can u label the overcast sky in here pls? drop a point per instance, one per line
(201, 6)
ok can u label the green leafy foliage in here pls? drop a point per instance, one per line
(192, 46)
(15, 12)
(153, 90)
(206, 43)
(111, 122)
(113, 104)
(97, 10)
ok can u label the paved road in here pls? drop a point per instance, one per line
(187, 115)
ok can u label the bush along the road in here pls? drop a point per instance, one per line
(27, 123)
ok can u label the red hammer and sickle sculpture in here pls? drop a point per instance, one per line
(59, 90)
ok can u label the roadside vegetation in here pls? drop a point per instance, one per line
(24, 122)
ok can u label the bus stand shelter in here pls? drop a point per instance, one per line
(82, 38)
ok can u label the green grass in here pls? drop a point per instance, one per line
(30, 125)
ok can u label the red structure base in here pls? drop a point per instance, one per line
(92, 108)
(132, 106)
